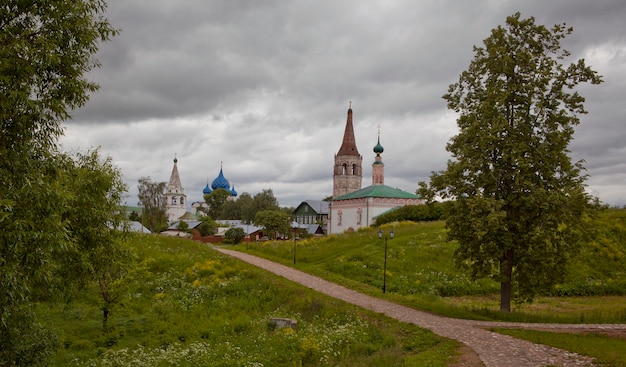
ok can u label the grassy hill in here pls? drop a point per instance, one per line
(421, 271)
(184, 304)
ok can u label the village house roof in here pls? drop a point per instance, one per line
(377, 191)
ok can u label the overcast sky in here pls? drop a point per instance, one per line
(264, 87)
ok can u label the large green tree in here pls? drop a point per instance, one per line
(265, 200)
(519, 199)
(46, 49)
(246, 203)
(216, 201)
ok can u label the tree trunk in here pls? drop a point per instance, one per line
(506, 274)
(105, 317)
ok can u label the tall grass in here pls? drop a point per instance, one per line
(421, 271)
(187, 305)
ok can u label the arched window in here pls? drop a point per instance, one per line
(354, 169)
(182, 201)
(173, 200)
(339, 213)
(344, 170)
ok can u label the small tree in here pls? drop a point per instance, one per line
(97, 226)
(152, 199)
(235, 235)
(519, 200)
(207, 227)
(183, 226)
(273, 222)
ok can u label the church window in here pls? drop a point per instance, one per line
(354, 169)
(359, 216)
(182, 201)
(173, 200)
(339, 214)
(344, 169)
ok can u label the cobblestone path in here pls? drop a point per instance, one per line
(495, 350)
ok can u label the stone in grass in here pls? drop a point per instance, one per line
(281, 323)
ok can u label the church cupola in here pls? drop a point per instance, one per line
(220, 182)
(378, 167)
(207, 190)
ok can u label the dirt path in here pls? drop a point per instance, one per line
(494, 350)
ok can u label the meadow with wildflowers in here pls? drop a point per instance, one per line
(421, 271)
(187, 305)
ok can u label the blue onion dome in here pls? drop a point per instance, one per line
(207, 190)
(233, 193)
(378, 148)
(220, 182)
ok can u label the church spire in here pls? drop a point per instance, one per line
(348, 145)
(175, 197)
(348, 162)
(174, 185)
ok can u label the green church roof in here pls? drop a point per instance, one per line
(378, 191)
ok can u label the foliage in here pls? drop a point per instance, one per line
(415, 213)
(207, 227)
(265, 200)
(97, 225)
(216, 201)
(231, 209)
(134, 216)
(188, 305)
(183, 226)
(45, 52)
(520, 201)
(601, 264)
(246, 207)
(273, 222)
(152, 199)
(235, 235)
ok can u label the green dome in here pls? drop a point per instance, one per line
(378, 148)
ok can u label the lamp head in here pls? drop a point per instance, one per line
(392, 233)
(380, 233)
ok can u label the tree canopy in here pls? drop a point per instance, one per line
(273, 222)
(45, 52)
(519, 199)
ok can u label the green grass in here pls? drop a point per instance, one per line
(187, 305)
(421, 273)
(608, 352)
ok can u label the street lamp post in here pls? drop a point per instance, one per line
(294, 246)
(380, 235)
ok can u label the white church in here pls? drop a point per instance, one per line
(176, 200)
(353, 207)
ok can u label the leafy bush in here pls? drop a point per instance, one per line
(235, 235)
(414, 213)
